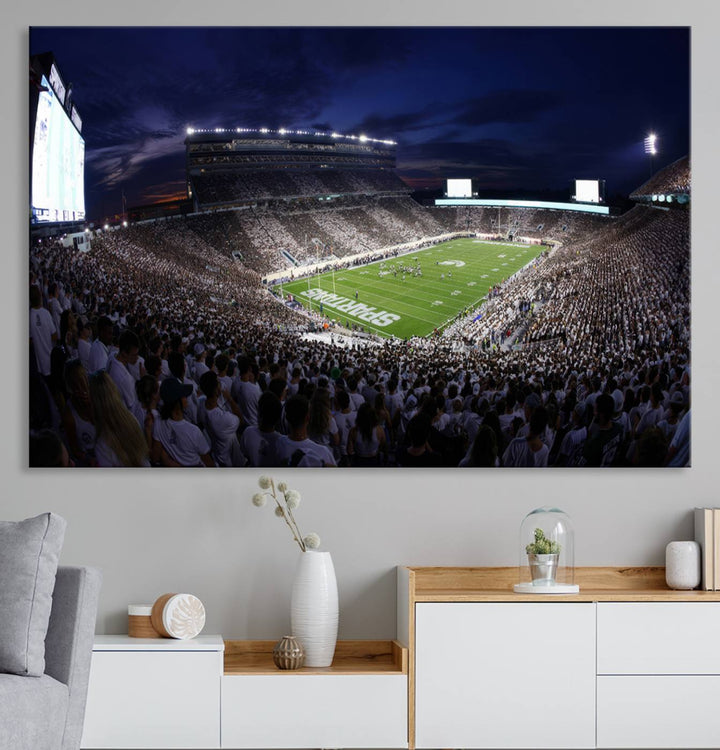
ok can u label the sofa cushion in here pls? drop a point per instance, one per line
(29, 552)
(32, 712)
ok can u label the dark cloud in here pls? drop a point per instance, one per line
(348, 51)
(507, 106)
(382, 126)
(482, 151)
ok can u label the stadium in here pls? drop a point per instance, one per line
(301, 308)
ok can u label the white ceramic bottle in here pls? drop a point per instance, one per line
(682, 565)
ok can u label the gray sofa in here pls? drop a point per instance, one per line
(47, 712)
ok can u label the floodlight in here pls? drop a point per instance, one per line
(651, 144)
(282, 131)
(190, 131)
(107, 226)
(363, 138)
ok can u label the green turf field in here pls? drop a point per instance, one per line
(390, 305)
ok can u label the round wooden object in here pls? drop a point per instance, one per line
(156, 615)
(178, 616)
(140, 621)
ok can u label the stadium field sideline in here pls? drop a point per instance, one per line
(390, 298)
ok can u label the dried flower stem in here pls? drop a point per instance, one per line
(286, 500)
(288, 517)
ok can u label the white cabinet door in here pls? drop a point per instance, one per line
(500, 675)
(658, 711)
(153, 699)
(311, 711)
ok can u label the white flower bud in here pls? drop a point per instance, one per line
(279, 512)
(282, 486)
(292, 498)
(265, 482)
(258, 499)
(312, 541)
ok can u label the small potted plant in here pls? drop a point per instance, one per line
(543, 555)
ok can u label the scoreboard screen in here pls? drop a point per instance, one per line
(588, 191)
(459, 188)
(58, 163)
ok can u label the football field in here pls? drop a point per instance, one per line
(415, 293)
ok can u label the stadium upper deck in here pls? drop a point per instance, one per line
(226, 166)
(669, 185)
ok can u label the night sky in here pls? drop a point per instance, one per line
(513, 108)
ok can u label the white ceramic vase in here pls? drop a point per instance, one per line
(314, 607)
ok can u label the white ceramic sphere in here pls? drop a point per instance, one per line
(682, 565)
(183, 616)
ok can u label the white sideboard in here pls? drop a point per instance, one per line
(154, 693)
(206, 693)
(626, 663)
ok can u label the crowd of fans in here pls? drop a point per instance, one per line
(213, 188)
(158, 348)
(269, 237)
(673, 179)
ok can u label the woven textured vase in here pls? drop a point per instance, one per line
(288, 653)
(314, 607)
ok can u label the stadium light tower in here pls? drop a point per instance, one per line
(651, 150)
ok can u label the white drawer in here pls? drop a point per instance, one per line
(310, 711)
(153, 699)
(658, 638)
(658, 712)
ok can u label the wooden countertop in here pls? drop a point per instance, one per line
(597, 584)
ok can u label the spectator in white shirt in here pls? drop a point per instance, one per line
(99, 349)
(43, 332)
(117, 367)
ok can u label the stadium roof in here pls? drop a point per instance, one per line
(285, 132)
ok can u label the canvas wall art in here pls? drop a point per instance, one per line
(364, 247)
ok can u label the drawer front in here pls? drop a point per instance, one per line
(502, 675)
(153, 700)
(670, 711)
(310, 711)
(658, 638)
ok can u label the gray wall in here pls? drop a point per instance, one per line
(158, 531)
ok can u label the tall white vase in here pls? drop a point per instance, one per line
(314, 607)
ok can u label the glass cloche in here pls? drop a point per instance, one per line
(547, 553)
